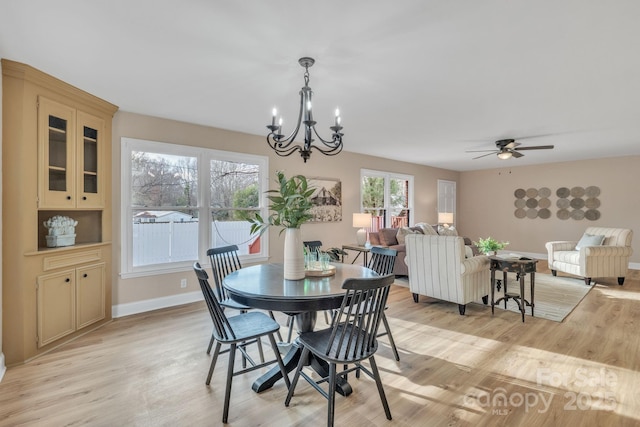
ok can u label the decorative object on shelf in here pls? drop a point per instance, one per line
(445, 219)
(283, 146)
(489, 245)
(61, 231)
(291, 207)
(362, 220)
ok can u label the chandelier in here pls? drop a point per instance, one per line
(284, 146)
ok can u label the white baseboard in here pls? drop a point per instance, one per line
(127, 309)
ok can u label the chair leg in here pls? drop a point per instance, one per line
(303, 357)
(331, 409)
(326, 318)
(227, 392)
(291, 322)
(210, 344)
(383, 397)
(391, 342)
(273, 317)
(216, 352)
(283, 370)
(260, 351)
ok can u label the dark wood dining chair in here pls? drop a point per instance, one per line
(245, 329)
(225, 260)
(382, 262)
(351, 339)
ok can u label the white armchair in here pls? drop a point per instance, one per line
(610, 259)
(438, 269)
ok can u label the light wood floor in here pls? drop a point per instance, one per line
(150, 369)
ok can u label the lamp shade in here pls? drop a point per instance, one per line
(445, 217)
(362, 220)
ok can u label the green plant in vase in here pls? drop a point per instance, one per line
(290, 208)
(489, 245)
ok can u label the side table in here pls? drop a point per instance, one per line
(360, 249)
(520, 266)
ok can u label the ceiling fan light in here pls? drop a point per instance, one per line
(504, 155)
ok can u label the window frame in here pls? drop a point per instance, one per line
(203, 156)
(388, 176)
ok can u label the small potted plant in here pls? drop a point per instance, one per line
(291, 207)
(489, 245)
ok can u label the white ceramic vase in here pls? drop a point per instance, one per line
(293, 254)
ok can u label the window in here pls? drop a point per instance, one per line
(388, 197)
(178, 201)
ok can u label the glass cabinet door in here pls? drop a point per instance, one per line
(89, 157)
(56, 153)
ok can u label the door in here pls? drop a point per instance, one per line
(90, 294)
(56, 306)
(89, 157)
(56, 155)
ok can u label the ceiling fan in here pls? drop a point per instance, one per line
(507, 148)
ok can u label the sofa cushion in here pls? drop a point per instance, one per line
(402, 232)
(450, 231)
(589, 240)
(426, 229)
(567, 257)
(387, 236)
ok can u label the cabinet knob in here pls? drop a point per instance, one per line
(85, 275)
(84, 197)
(68, 197)
(67, 280)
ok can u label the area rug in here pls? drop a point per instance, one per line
(555, 297)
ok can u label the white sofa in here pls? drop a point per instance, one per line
(438, 269)
(610, 259)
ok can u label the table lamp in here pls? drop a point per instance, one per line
(361, 220)
(445, 218)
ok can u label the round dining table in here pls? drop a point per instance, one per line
(263, 286)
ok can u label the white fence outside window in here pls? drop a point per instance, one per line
(165, 242)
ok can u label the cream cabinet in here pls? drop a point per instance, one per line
(70, 154)
(69, 300)
(56, 160)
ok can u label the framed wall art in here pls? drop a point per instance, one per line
(327, 200)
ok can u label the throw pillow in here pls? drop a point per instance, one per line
(388, 236)
(589, 240)
(427, 229)
(468, 252)
(450, 231)
(402, 232)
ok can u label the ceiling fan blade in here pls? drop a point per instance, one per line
(485, 155)
(512, 145)
(481, 151)
(536, 147)
(515, 154)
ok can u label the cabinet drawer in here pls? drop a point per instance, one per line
(54, 262)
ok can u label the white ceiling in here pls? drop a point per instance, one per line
(421, 81)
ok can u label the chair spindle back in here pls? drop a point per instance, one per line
(224, 260)
(355, 325)
(222, 329)
(382, 260)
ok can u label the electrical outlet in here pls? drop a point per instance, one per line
(183, 283)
